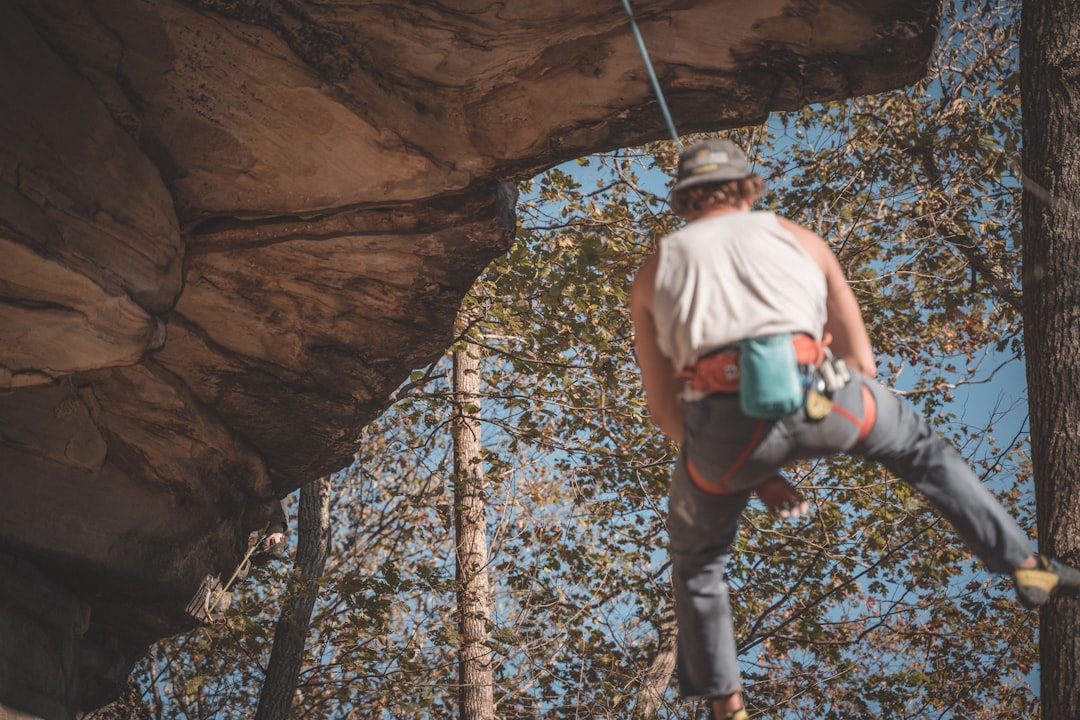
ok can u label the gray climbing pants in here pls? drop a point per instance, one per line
(725, 455)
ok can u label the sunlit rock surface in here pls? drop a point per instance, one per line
(229, 230)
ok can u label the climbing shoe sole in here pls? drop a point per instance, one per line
(1035, 586)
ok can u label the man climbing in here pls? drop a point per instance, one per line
(272, 543)
(732, 315)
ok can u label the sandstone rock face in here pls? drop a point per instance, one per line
(229, 230)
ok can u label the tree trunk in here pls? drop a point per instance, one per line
(1050, 91)
(476, 693)
(657, 678)
(312, 549)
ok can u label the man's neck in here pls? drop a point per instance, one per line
(719, 210)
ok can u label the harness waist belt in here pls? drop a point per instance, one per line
(719, 372)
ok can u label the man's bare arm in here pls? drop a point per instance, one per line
(657, 372)
(845, 321)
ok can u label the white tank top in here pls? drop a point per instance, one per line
(730, 277)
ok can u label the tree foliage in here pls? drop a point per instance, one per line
(867, 608)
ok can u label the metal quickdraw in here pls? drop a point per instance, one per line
(832, 375)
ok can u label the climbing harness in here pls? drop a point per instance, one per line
(720, 371)
(652, 76)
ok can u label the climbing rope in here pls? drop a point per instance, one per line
(246, 558)
(652, 76)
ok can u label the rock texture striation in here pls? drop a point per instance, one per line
(228, 231)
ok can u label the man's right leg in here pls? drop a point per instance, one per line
(869, 420)
(903, 442)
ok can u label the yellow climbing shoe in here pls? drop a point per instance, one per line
(1035, 586)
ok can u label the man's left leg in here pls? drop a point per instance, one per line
(702, 528)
